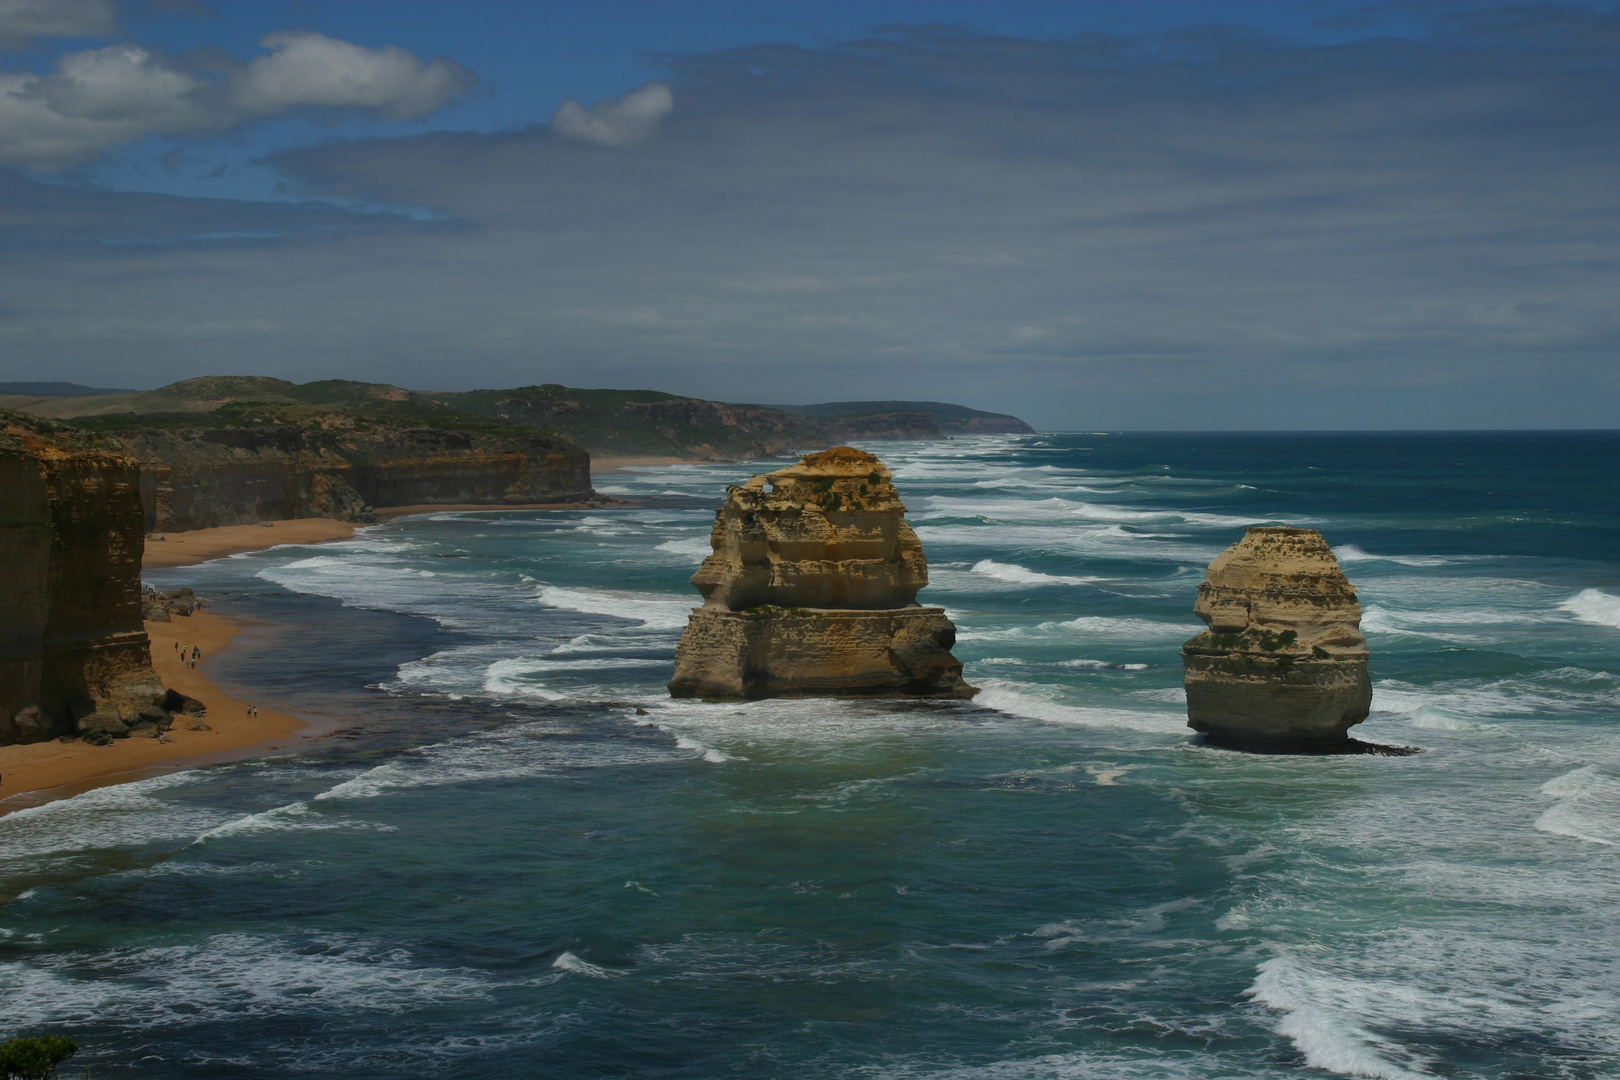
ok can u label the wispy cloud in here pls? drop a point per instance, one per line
(622, 121)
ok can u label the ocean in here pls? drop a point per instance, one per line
(517, 857)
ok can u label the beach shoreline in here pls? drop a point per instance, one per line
(203, 545)
(35, 773)
(165, 550)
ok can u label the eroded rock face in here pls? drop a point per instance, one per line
(203, 478)
(811, 591)
(72, 649)
(1284, 660)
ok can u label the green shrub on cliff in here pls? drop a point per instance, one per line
(36, 1058)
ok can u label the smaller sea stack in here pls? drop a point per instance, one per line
(1283, 663)
(811, 592)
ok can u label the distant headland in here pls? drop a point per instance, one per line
(606, 423)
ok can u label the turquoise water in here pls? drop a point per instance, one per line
(499, 868)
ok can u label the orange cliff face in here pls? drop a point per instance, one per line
(72, 647)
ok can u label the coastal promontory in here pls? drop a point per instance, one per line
(74, 658)
(811, 591)
(1283, 662)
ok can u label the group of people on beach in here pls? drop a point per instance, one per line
(189, 654)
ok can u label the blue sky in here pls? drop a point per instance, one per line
(1096, 215)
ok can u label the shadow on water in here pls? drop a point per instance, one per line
(1325, 749)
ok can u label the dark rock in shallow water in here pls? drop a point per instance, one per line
(811, 592)
(1283, 662)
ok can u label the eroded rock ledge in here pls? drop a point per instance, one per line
(1283, 661)
(811, 591)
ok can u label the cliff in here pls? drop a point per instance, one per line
(275, 466)
(637, 422)
(811, 591)
(73, 655)
(203, 478)
(410, 466)
(1283, 660)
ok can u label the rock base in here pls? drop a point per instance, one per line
(818, 652)
(1249, 700)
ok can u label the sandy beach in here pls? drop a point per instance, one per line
(43, 771)
(200, 545)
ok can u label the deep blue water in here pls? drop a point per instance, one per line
(498, 868)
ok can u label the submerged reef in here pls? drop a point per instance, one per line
(1283, 663)
(811, 591)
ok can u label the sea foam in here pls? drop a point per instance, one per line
(1317, 1017)
(1594, 606)
(1013, 574)
(1039, 703)
(657, 611)
(1588, 806)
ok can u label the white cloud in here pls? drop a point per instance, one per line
(623, 121)
(308, 69)
(101, 98)
(23, 20)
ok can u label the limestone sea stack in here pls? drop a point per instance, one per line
(1283, 662)
(812, 592)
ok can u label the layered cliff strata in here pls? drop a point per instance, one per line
(73, 655)
(203, 478)
(811, 591)
(1283, 661)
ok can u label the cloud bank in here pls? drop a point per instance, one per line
(1211, 229)
(102, 98)
(21, 21)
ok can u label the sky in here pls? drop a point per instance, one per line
(1095, 215)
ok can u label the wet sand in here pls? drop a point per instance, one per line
(39, 772)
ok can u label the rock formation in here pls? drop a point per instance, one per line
(1283, 661)
(202, 478)
(811, 591)
(73, 655)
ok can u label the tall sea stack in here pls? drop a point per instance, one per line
(73, 654)
(811, 592)
(1283, 662)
